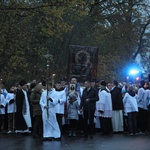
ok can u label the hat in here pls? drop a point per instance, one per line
(44, 83)
(63, 79)
(103, 83)
(142, 82)
(49, 82)
(22, 82)
(92, 80)
(3, 82)
(115, 82)
(73, 96)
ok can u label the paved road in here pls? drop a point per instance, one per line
(99, 142)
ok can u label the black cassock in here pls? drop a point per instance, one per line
(20, 123)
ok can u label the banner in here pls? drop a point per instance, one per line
(82, 62)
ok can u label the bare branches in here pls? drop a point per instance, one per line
(139, 49)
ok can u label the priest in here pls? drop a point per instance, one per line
(23, 112)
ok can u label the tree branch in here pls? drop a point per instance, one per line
(139, 49)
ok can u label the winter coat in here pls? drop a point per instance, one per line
(92, 95)
(73, 110)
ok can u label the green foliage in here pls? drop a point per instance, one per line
(30, 30)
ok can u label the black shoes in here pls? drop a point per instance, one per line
(35, 136)
(57, 139)
(85, 135)
(47, 139)
(72, 134)
(52, 139)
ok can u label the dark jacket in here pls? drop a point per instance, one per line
(116, 96)
(92, 95)
(35, 99)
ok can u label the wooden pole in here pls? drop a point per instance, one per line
(46, 98)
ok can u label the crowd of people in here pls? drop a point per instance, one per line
(49, 111)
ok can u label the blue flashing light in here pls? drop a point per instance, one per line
(133, 72)
(137, 78)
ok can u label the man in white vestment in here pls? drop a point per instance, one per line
(50, 125)
(142, 107)
(2, 109)
(117, 105)
(104, 109)
(11, 109)
(59, 108)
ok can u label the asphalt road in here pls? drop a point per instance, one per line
(98, 142)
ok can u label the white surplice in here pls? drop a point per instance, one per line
(27, 116)
(50, 124)
(11, 108)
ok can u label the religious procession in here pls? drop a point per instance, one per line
(71, 109)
